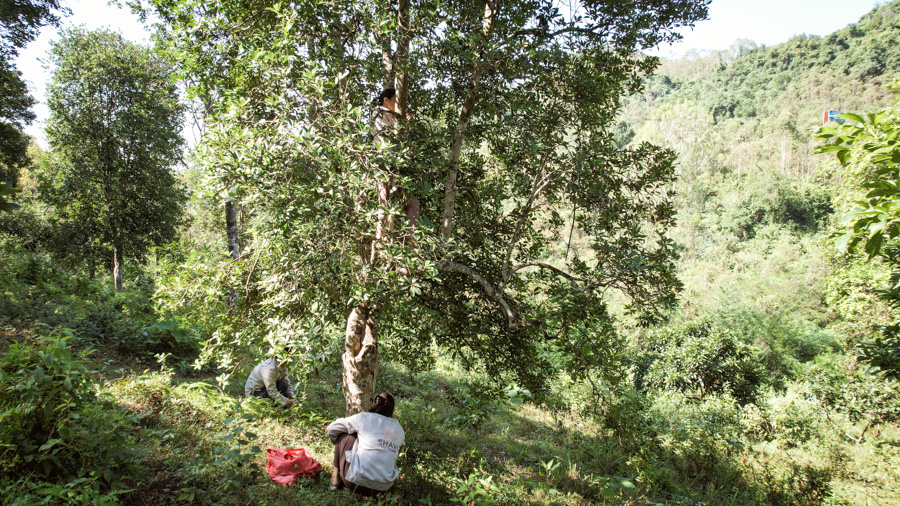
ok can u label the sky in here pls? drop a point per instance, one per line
(766, 22)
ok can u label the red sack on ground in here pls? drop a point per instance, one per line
(286, 465)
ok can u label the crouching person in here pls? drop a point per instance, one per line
(366, 446)
(269, 379)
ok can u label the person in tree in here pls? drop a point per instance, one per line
(384, 124)
(384, 118)
(366, 446)
(269, 379)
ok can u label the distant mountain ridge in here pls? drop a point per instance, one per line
(753, 198)
(769, 100)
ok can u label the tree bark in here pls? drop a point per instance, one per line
(117, 268)
(403, 58)
(234, 247)
(360, 360)
(388, 62)
(460, 134)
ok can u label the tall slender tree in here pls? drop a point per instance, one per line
(508, 149)
(114, 134)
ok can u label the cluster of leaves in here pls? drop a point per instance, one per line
(873, 142)
(698, 358)
(6, 190)
(53, 424)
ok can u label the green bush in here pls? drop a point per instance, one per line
(172, 336)
(846, 387)
(697, 438)
(783, 341)
(697, 359)
(54, 425)
(790, 418)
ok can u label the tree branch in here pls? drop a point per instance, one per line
(541, 181)
(490, 290)
(460, 134)
(559, 272)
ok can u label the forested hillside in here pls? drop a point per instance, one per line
(754, 199)
(585, 278)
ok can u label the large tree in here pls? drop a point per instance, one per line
(114, 135)
(528, 214)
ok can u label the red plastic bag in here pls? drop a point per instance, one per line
(286, 465)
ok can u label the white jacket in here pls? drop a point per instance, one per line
(266, 374)
(383, 123)
(373, 459)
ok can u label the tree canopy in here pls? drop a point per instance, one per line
(114, 134)
(508, 157)
(20, 22)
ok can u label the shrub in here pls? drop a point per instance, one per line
(783, 342)
(845, 387)
(54, 425)
(699, 358)
(792, 417)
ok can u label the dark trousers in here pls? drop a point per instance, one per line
(281, 385)
(344, 444)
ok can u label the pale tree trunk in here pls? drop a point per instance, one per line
(234, 247)
(360, 360)
(117, 268)
(411, 208)
(383, 223)
(460, 134)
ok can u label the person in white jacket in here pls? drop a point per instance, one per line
(269, 379)
(366, 446)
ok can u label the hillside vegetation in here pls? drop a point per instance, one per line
(757, 385)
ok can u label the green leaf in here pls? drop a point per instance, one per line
(873, 245)
(841, 242)
(49, 444)
(843, 156)
(853, 117)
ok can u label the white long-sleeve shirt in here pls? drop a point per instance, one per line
(373, 458)
(384, 123)
(266, 375)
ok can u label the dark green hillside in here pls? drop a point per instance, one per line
(752, 196)
(765, 101)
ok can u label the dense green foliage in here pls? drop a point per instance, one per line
(699, 359)
(874, 223)
(19, 25)
(55, 427)
(755, 386)
(114, 135)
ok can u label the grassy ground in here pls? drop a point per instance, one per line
(456, 448)
(196, 442)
